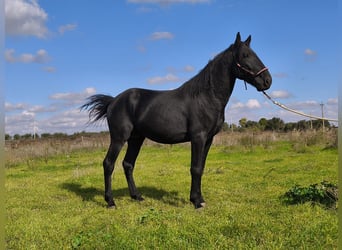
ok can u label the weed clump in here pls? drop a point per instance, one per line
(324, 193)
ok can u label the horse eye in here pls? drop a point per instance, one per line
(245, 55)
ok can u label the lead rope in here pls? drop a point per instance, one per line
(297, 112)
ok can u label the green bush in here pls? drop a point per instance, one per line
(323, 193)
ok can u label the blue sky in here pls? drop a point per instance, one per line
(57, 53)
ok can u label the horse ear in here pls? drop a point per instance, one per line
(237, 39)
(248, 40)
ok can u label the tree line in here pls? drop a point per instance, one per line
(274, 124)
(29, 136)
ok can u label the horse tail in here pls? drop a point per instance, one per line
(97, 106)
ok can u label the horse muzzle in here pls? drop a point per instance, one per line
(263, 81)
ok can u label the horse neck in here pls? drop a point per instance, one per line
(215, 81)
(222, 78)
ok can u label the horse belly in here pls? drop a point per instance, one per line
(164, 126)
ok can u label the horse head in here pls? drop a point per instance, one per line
(248, 65)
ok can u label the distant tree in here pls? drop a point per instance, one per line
(302, 125)
(16, 137)
(242, 122)
(233, 127)
(290, 126)
(262, 123)
(59, 135)
(8, 137)
(317, 124)
(251, 124)
(27, 136)
(275, 124)
(45, 135)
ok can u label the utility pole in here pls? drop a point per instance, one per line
(322, 105)
(231, 123)
(34, 129)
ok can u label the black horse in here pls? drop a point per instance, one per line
(193, 112)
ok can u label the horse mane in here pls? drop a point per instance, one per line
(202, 82)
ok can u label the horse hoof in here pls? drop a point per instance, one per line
(137, 198)
(200, 206)
(111, 205)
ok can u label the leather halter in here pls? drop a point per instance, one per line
(251, 72)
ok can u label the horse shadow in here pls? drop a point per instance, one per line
(88, 194)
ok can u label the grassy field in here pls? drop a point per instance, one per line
(55, 201)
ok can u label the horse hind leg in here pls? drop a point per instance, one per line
(134, 145)
(108, 167)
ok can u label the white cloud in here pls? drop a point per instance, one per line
(309, 52)
(163, 79)
(27, 115)
(18, 119)
(68, 27)
(69, 122)
(253, 104)
(304, 105)
(66, 120)
(252, 109)
(42, 109)
(9, 55)
(310, 55)
(161, 35)
(13, 107)
(62, 116)
(250, 104)
(155, 36)
(189, 68)
(282, 94)
(25, 18)
(71, 98)
(332, 101)
(237, 105)
(41, 56)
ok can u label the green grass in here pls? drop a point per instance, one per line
(57, 203)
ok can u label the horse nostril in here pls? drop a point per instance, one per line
(268, 81)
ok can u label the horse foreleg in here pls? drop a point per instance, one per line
(134, 145)
(199, 152)
(108, 167)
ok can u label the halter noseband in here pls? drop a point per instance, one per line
(251, 72)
